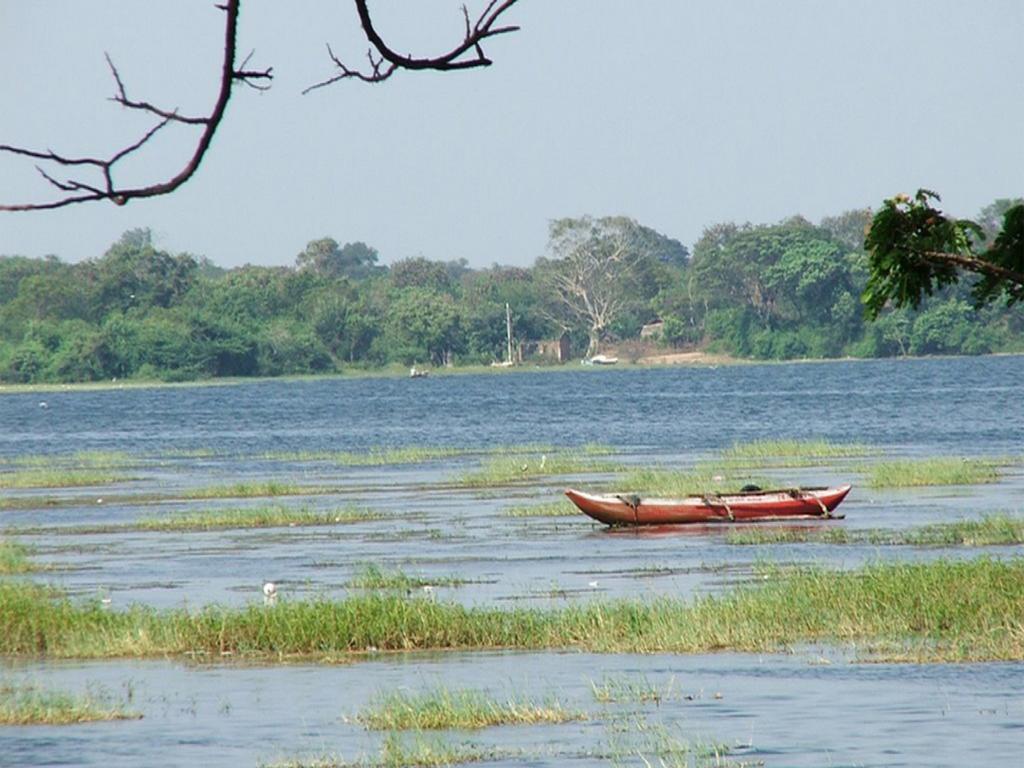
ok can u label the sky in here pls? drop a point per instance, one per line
(680, 114)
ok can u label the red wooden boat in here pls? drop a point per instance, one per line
(630, 509)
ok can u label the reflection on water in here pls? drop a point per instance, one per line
(786, 710)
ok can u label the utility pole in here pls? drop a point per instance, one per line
(508, 331)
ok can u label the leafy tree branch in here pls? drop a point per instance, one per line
(915, 249)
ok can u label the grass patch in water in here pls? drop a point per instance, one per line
(217, 519)
(372, 576)
(380, 457)
(397, 751)
(636, 690)
(79, 460)
(666, 482)
(444, 708)
(14, 557)
(634, 737)
(560, 508)
(506, 470)
(753, 536)
(187, 453)
(990, 530)
(253, 490)
(57, 478)
(906, 473)
(935, 611)
(374, 457)
(597, 449)
(253, 517)
(28, 705)
(792, 453)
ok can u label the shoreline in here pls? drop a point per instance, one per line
(694, 359)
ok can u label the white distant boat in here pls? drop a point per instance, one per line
(418, 373)
(601, 360)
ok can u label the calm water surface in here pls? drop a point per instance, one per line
(918, 406)
(784, 710)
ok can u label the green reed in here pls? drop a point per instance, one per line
(374, 457)
(636, 690)
(253, 517)
(990, 530)
(29, 705)
(560, 508)
(904, 473)
(253, 490)
(78, 460)
(57, 478)
(372, 576)
(406, 751)
(943, 610)
(508, 470)
(14, 557)
(792, 453)
(444, 708)
(658, 481)
(634, 737)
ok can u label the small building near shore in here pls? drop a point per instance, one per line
(548, 350)
(652, 330)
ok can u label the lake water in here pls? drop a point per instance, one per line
(817, 707)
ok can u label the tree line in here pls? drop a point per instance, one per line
(788, 290)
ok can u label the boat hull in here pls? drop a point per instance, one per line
(625, 509)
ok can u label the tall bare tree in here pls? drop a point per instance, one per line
(593, 270)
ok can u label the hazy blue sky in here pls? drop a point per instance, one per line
(680, 113)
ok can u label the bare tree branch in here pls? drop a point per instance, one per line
(468, 54)
(383, 62)
(81, 191)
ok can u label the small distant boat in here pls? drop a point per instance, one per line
(418, 373)
(742, 506)
(601, 360)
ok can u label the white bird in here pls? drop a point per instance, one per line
(43, 404)
(543, 460)
(270, 593)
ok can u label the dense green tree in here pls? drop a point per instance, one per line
(344, 324)
(419, 272)
(783, 290)
(848, 228)
(423, 324)
(484, 296)
(133, 273)
(775, 291)
(284, 346)
(77, 357)
(356, 261)
(50, 295)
